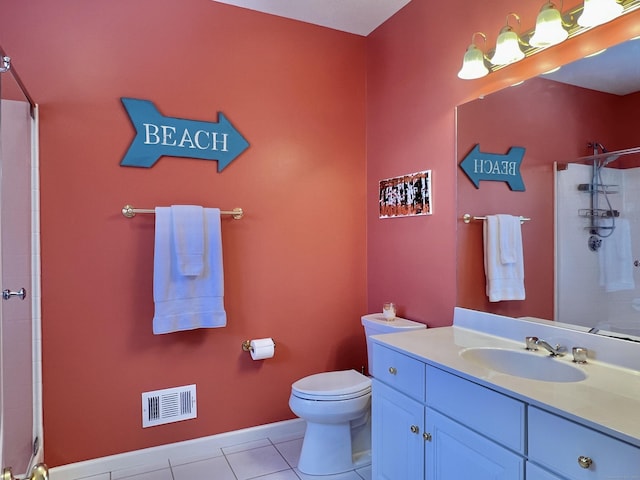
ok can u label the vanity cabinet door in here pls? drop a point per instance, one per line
(455, 452)
(397, 442)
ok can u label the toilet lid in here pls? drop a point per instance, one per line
(340, 385)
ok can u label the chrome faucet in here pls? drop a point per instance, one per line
(557, 351)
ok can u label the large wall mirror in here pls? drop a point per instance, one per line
(576, 193)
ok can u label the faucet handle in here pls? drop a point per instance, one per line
(580, 354)
(531, 343)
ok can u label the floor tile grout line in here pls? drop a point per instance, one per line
(233, 472)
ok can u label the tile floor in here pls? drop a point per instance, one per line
(261, 459)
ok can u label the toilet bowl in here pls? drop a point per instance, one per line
(336, 407)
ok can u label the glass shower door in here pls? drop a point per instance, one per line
(17, 432)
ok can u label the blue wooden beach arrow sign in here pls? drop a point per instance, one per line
(495, 167)
(157, 135)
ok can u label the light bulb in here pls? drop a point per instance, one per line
(597, 12)
(549, 30)
(473, 65)
(507, 48)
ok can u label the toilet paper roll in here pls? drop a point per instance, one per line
(262, 348)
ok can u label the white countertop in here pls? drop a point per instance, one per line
(608, 399)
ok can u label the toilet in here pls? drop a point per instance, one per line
(336, 407)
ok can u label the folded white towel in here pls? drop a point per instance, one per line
(505, 280)
(616, 258)
(509, 235)
(187, 302)
(188, 238)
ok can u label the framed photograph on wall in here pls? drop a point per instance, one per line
(406, 196)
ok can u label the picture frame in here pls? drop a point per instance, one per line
(406, 196)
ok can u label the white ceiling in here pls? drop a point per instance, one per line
(360, 17)
(617, 70)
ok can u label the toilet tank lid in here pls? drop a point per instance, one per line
(377, 322)
(332, 383)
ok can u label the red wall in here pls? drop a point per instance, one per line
(294, 265)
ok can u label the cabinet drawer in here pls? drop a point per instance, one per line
(489, 413)
(558, 444)
(401, 372)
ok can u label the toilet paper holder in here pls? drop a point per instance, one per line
(246, 345)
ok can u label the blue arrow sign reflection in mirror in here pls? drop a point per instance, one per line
(495, 167)
(157, 136)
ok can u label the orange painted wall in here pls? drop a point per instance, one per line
(294, 265)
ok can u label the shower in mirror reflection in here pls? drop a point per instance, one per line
(602, 220)
(596, 286)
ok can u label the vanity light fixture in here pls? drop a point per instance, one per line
(552, 27)
(597, 12)
(508, 45)
(549, 27)
(473, 65)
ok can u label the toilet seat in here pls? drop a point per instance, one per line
(332, 386)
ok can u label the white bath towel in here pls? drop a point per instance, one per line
(188, 238)
(505, 279)
(187, 302)
(616, 258)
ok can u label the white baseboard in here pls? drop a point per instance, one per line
(179, 452)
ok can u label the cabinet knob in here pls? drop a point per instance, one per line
(584, 462)
(393, 370)
(415, 429)
(426, 436)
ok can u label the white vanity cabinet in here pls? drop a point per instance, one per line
(415, 437)
(433, 425)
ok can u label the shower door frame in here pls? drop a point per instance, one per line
(32, 285)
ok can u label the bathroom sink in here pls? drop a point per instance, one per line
(521, 363)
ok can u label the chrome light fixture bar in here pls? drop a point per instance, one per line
(552, 27)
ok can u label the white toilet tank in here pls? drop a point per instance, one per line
(375, 324)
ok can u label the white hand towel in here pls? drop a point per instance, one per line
(505, 281)
(510, 237)
(187, 302)
(188, 238)
(616, 258)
